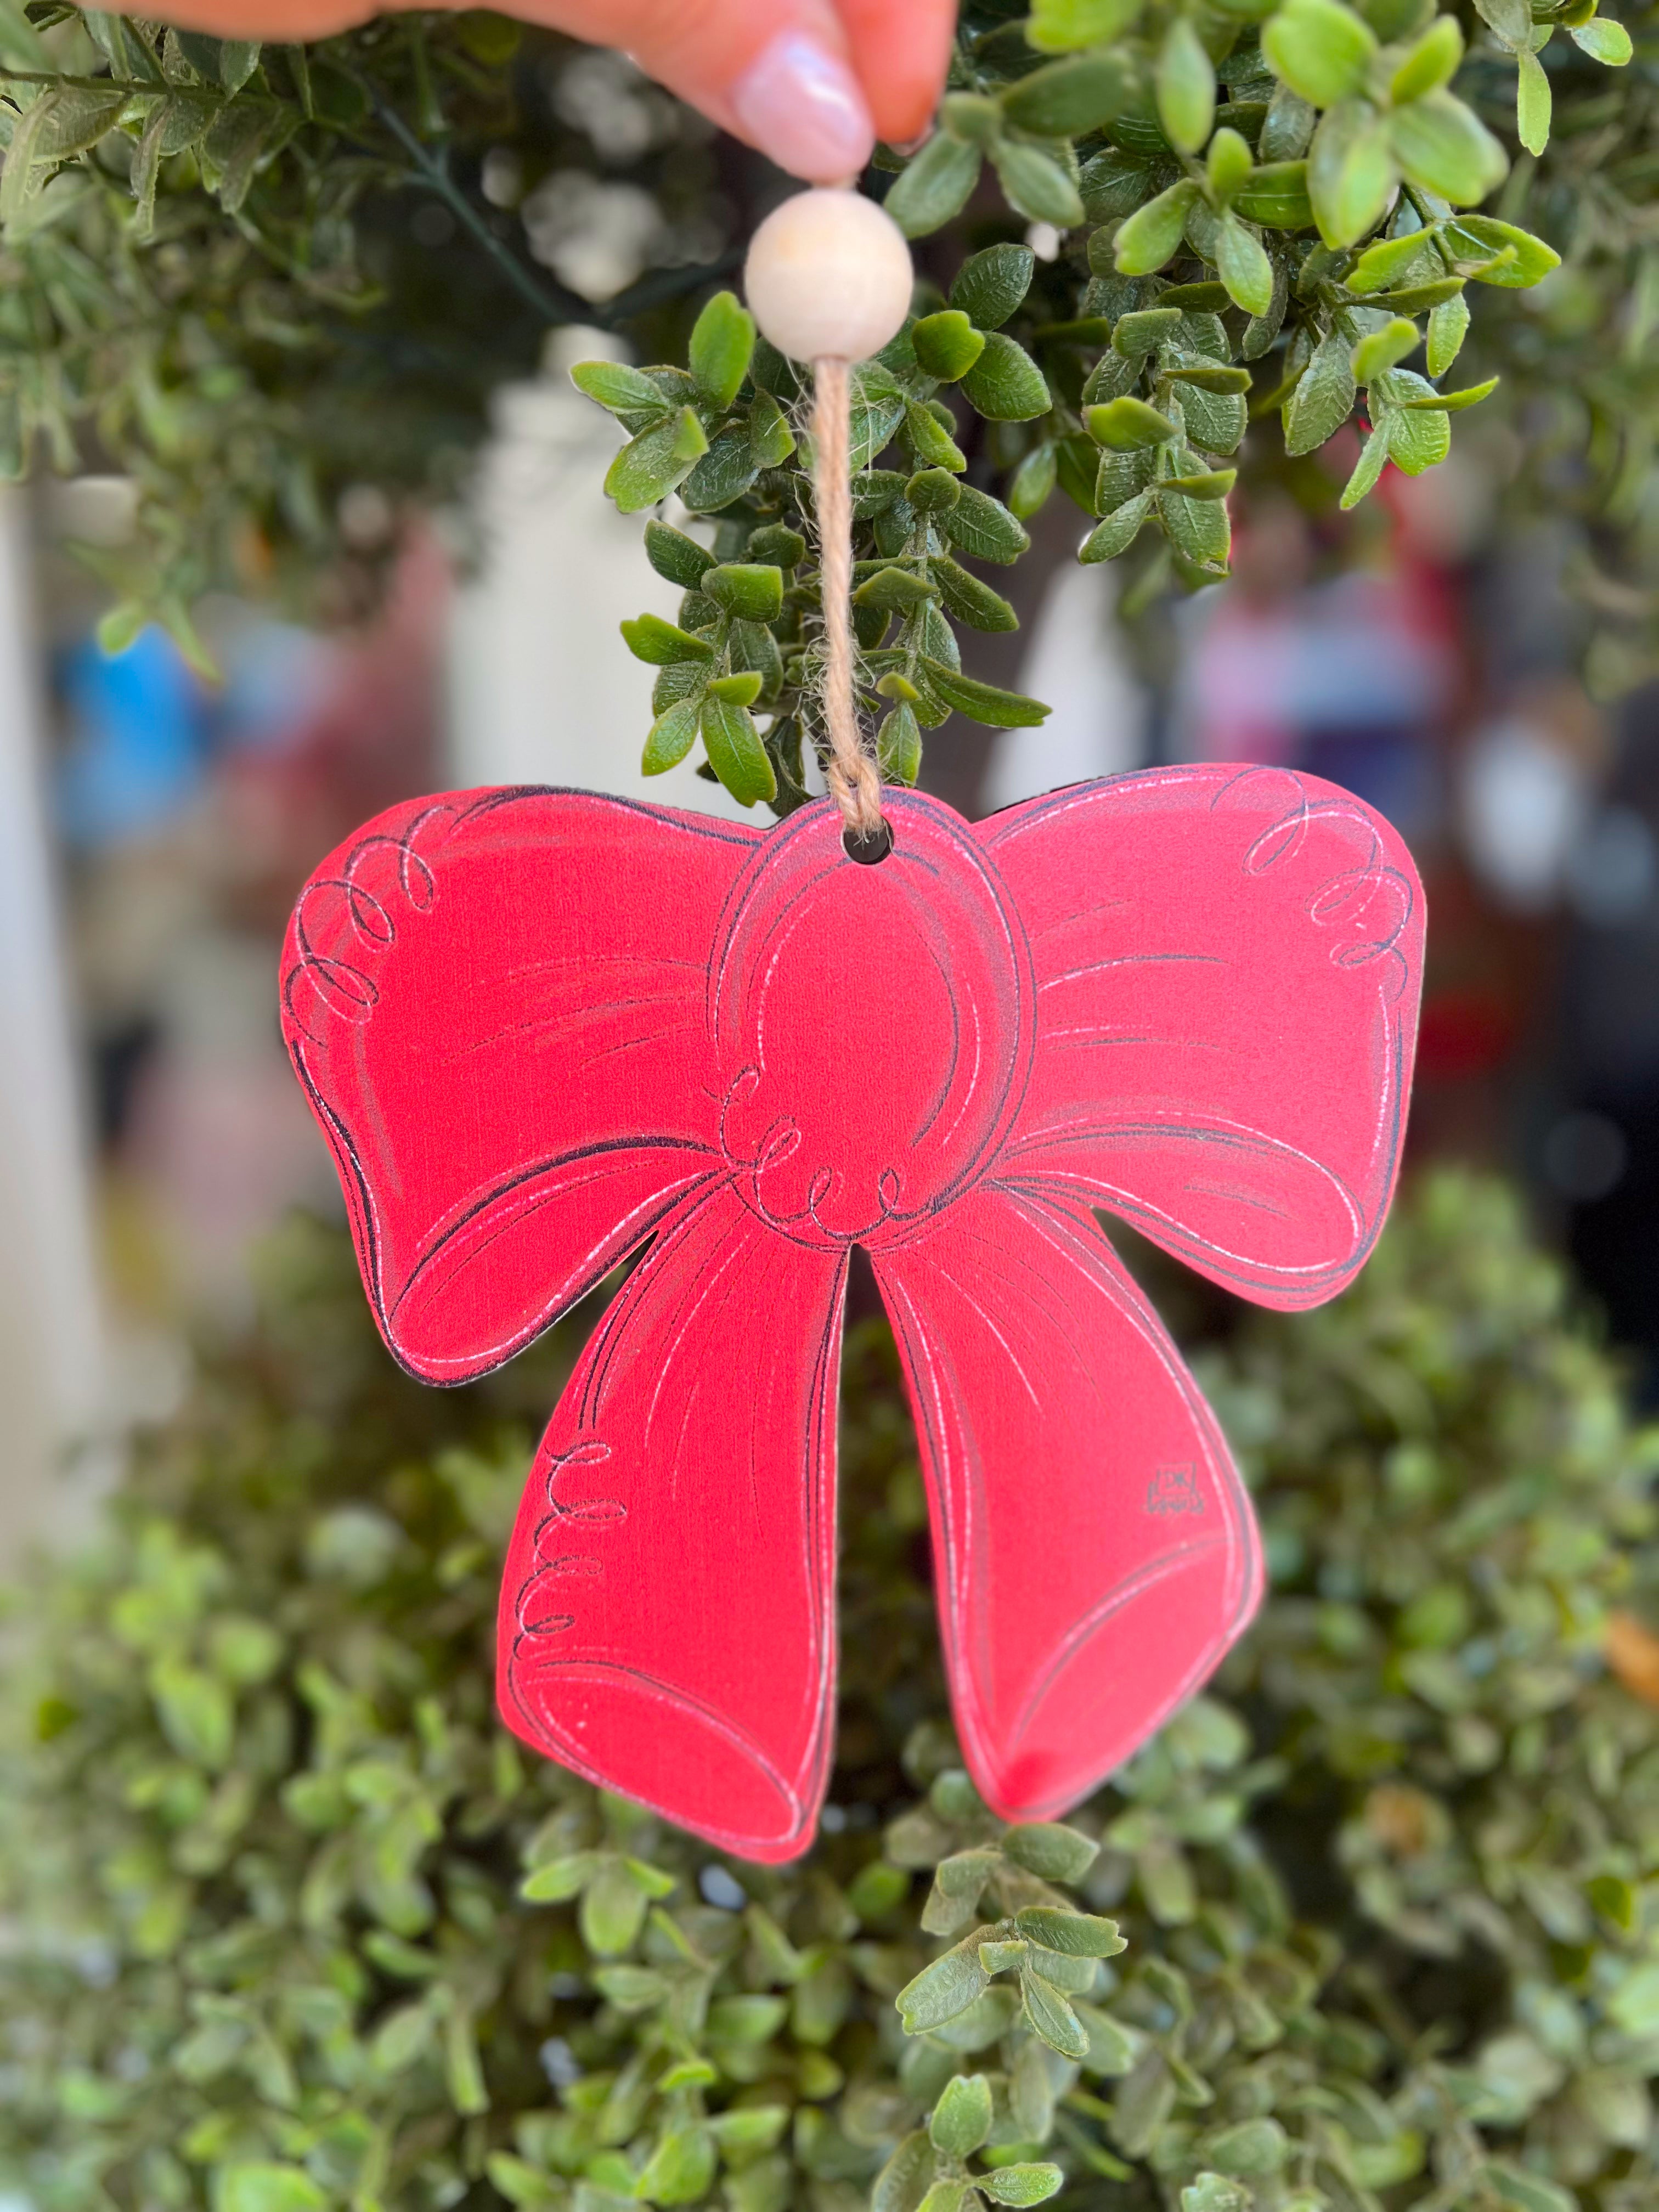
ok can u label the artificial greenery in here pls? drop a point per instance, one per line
(222, 278)
(1286, 185)
(291, 1921)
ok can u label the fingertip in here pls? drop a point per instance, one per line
(901, 51)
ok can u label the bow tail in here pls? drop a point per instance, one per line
(668, 1618)
(1094, 1550)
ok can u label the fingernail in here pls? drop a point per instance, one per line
(801, 105)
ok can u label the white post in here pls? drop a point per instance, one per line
(544, 691)
(52, 1377)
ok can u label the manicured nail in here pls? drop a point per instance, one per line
(801, 105)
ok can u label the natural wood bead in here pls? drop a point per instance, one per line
(829, 274)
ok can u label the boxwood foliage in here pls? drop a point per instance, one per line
(291, 1923)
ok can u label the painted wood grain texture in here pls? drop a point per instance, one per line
(539, 1027)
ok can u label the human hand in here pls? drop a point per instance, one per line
(812, 83)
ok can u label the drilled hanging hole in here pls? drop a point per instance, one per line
(869, 846)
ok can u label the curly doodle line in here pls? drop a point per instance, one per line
(348, 991)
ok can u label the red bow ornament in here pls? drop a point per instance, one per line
(540, 1027)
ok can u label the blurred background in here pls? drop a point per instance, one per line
(1437, 651)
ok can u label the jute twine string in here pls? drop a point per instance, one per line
(853, 779)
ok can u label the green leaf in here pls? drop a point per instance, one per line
(1381, 348)
(945, 2196)
(651, 465)
(1057, 27)
(739, 689)
(947, 345)
(1143, 332)
(671, 739)
(682, 2168)
(771, 440)
(261, 2185)
(1112, 183)
(961, 2118)
(722, 475)
(750, 2127)
(1079, 1935)
(932, 491)
(1420, 437)
(1387, 261)
(1032, 483)
(1532, 107)
(1249, 2149)
(1047, 1847)
(878, 406)
(1321, 49)
(1020, 2184)
(953, 1981)
(898, 746)
(20, 44)
(1036, 184)
(1126, 423)
(562, 1877)
(1198, 527)
(675, 555)
(971, 600)
(1350, 170)
(1216, 421)
(1455, 403)
(1525, 2191)
(613, 385)
(972, 117)
(1510, 19)
(1448, 324)
(998, 710)
(196, 1712)
(1200, 375)
(930, 441)
(936, 186)
(1154, 232)
(613, 1908)
(1368, 467)
(1184, 86)
(1323, 398)
(1277, 196)
(751, 590)
(1050, 2017)
(737, 758)
(1214, 2192)
(1209, 483)
(1228, 163)
(236, 141)
(903, 2181)
(1521, 259)
(1444, 149)
(1603, 40)
(649, 638)
(982, 527)
(1068, 99)
(990, 285)
(896, 590)
(997, 1957)
(1005, 385)
(722, 345)
(1118, 531)
(1244, 266)
(1430, 64)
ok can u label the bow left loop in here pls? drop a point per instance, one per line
(494, 1001)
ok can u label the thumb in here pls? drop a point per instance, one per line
(778, 73)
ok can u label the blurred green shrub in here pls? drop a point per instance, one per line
(289, 1922)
